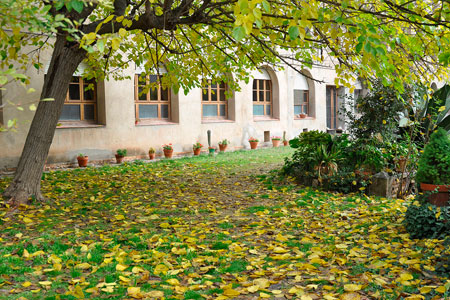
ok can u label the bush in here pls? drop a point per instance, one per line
(424, 220)
(434, 164)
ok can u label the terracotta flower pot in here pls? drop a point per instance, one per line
(286, 143)
(82, 161)
(302, 116)
(276, 143)
(222, 147)
(253, 145)
(439, 198)
(197, 151)
(168, 153)
(152, 155)
(119, 158)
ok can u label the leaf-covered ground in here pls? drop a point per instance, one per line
(210, 228)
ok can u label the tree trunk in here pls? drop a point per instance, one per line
(27, 179)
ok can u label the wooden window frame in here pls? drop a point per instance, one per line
(264, 101)
(148, 101)
(304, 104)
(209, 90)
(333, 105)
(81, 102)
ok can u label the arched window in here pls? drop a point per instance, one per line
(301, 95)
(152, 101)
(262, 94)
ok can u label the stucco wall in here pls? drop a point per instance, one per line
(118, 129)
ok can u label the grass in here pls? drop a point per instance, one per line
(207, 227)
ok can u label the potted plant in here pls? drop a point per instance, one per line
(253, 142)
(433, 172)
(276, 141)
(168, 150)
(302, 115)
(120, 154)
(285, 141)
(223, 145)
(151, 153)
(211, 150)
(82, 160)
(197, 147)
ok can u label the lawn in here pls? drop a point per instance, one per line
(210, 228)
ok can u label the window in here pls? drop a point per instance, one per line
(262, 97)
(154, 104)
(331, 95)
(301, 95)
(301, 102)
(81, 101)
(214, 101)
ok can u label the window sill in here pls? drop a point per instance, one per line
(73, 125)
(261, 119)
(307, 118)
(206, 121)
(154, 123)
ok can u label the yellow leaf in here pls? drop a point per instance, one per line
(350, 296)
(173, 281)
(26, 254)
(264, 295)
(305, 297)
(45, 283)
(135, 292)
(280, 250)
(155, 294)
(442, 108)
(78, 292)
(230, 292)
(27, 220)
(26, 284)
(262, 283)
(352, 287)
(160, 269)
(440, 289)
(83, 266)
(136, 270)
(406, 277)
(19, 235)
(124, 279)
(120, 267)
(253, 288)
(164, 225)
(425, 289)
(119, 217)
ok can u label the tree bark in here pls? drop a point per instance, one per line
(27, 179)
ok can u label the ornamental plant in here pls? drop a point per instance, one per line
(168, 146)
(197, 145)
(434, 164)
(252, 139)
(121, 152)
(224, 142)
(81, 155)
(276, 138)
(151, 150)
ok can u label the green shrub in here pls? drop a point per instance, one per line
(424, 220)
(122, 152)
(311, 139)
(434, 164)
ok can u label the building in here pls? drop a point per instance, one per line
(116, 115)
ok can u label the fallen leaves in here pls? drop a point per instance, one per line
(207, 230)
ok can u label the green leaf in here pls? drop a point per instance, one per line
(239, 33)
(77, 5)
(266, 5)
(293, 32)
(358, 47)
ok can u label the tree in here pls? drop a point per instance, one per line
(397, 41)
